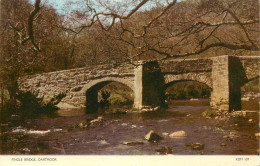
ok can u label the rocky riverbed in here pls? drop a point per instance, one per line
(178, 130)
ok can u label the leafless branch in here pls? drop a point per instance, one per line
(30, 23)
(30, 31)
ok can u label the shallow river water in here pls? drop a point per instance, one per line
(74, 132)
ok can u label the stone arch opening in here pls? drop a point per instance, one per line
(186, 90)
(199, 77)
(108, 92)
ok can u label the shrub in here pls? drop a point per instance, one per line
(29, 101)
(30, 104)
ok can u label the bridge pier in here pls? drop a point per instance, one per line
(138, 88)
(148, 85)
(227, 78)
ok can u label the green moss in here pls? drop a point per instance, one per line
(5, 95)
(119, 98)
(209, 113)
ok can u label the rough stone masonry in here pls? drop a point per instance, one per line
(148, 80)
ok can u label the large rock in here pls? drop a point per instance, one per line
(25, 150)
(165, 134)
(196, 146)
(178, 134)
(153, 137)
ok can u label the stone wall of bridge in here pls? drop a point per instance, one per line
(187, 69)
(224, 74)
(72, 82)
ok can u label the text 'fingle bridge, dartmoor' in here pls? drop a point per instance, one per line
(223, 74)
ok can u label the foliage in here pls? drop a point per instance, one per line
(187, 90)
(4, 96)
(27, 105)
(120, 98)
(30, 104)
(119, 94)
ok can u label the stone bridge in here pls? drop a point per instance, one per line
(223, 74)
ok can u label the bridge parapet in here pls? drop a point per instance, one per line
(186, 66)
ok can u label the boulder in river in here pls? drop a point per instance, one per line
(82, 125)
(149, 108)
(165, 134)
(178, 134)
(153, 137)
(196, 146)
(97, 120)
(245, 98)
(133, 143)
(164, 150)
(25, 150)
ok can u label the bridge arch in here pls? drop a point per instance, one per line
(199, 77)
(203, 89)
(107, 80)
(91, 90)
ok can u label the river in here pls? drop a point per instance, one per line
(75, 132)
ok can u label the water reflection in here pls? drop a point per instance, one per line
(71, 112)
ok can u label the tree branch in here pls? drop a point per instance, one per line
(30, 23)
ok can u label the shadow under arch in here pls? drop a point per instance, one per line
(91, 91)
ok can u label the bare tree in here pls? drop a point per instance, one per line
(191, 28)
(23, 38)
(172, 29)
(22, 24)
